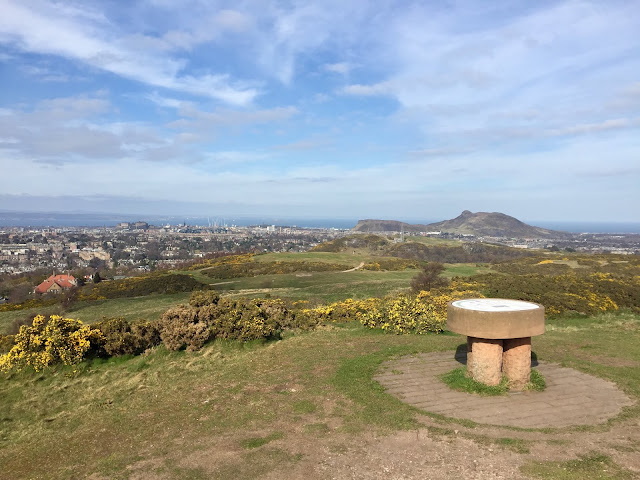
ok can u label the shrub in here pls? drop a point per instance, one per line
(429, 277)
(403, 314)
(31, 303)
(344, 311)
(49, 341)
(122, 338)
(6, 343)
(180, 328)
(139, 286)
(243, 320)
(14, 328)
(208, 316)
(202, 297)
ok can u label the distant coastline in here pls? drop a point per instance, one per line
(54, 219)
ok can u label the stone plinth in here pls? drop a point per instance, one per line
(498, 337)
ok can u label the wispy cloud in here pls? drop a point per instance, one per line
(341, 67)
(80, 34)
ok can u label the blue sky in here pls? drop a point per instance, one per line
(358, 109)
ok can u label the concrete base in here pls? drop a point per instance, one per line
(489, 359)
(516, 362)
(486, 360)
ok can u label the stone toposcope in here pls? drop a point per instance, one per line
(499, 335)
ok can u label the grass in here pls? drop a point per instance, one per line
(122, 407)
(8, 318)
(464, 269)
(327, 287)
(457, 379)
(148, 307)
(235, 410)
(319, 287)
(255, 442)
(594, 466)
(536, 381)
(347, 258)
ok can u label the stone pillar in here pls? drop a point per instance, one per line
(486, 360)
(516, 362)
(470, 356)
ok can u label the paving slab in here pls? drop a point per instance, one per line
(571, 397)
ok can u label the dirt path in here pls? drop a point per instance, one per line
(441, 448)
(354, 268)
(438, 450)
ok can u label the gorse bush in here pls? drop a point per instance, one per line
(181, 327)
(49, 341)
(422, 313)
(6, 343)
(139, 286)
(208, 316)
(31, 303)
(124, 338)
(403, 314)
(571, 292)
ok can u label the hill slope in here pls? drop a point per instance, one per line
(480, 224)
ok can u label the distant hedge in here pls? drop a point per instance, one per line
(252, 269)
(373, 242)
(140, 286)
(465, 253)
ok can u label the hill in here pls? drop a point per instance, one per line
(480, 224)
(370, 225)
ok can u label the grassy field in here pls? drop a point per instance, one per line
(347, 258)
(305, 406)
(150, 307)
(135, 308)
(326, 287)
(8, 318)
(320, 287)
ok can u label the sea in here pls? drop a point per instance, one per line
(54, 219)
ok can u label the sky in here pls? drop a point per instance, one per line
(322, 109)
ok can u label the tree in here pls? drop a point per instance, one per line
(429, 277)
(97, 278)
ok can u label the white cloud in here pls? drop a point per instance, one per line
(196, 119)
(585, 128)
(305, 144)
(51, 29)
(341, 67)
(234, 157)
(382, 88)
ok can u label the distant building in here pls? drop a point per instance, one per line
(56, 284)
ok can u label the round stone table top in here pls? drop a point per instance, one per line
(495, 318)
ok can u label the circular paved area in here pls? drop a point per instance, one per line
(571, 397)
